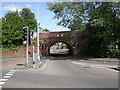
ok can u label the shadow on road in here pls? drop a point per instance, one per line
(60, 57)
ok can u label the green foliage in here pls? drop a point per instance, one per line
(12, 28)
(29, 18)
(100, 19)
(104, 31)
(7, 49)
(45, 30)
(0, 32)
(71, 14)
(0, 23)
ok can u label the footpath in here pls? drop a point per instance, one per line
(37, 65)
(110, 63)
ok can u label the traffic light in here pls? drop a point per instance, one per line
(25, 31)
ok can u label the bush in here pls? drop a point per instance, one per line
(115, 53)
(11, 48)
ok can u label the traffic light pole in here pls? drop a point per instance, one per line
(27, 47)
(26, 41)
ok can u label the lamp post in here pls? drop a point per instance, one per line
(38, 43)
(38, 36)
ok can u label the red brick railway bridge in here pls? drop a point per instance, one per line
(75, 40)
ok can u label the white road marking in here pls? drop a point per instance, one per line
(106, 68)
(13, 70)
(19, 70)
(78, 63)
(9, 74)
(44, 65)
(112, 70)
(3, 80)
(2, 83)
(6, 76)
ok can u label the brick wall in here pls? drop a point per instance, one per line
(12, 53)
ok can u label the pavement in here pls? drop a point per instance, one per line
(102, 59)
(32, 66)
(104, 62)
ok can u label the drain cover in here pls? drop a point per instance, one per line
(86, 67)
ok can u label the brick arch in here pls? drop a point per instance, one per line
(68, 42)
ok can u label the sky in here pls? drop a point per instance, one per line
(42, 14)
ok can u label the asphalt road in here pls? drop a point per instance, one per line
(10, 64)
(64, 74)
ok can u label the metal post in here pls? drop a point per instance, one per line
(33, 57)
(38, 44)
(33, 53)
(27, 46)
(38, 36)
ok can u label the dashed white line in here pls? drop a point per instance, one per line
(13, 70)
(9, 74)
(19, 70)
(2, 83)
(76, 63)
(6, 76)
(3, 80)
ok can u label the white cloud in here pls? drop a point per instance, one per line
(28, 5)
(57, 29)
(12, 8)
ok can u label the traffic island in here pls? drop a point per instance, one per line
(31, 66)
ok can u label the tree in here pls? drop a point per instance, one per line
(103, 28)
(71, 14)
(29, 18)
(0, 32)
(12, 30)
(45, 30)
(0, 23)
(100, 19)
(12, 27)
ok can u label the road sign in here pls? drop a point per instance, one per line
(24, 42)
